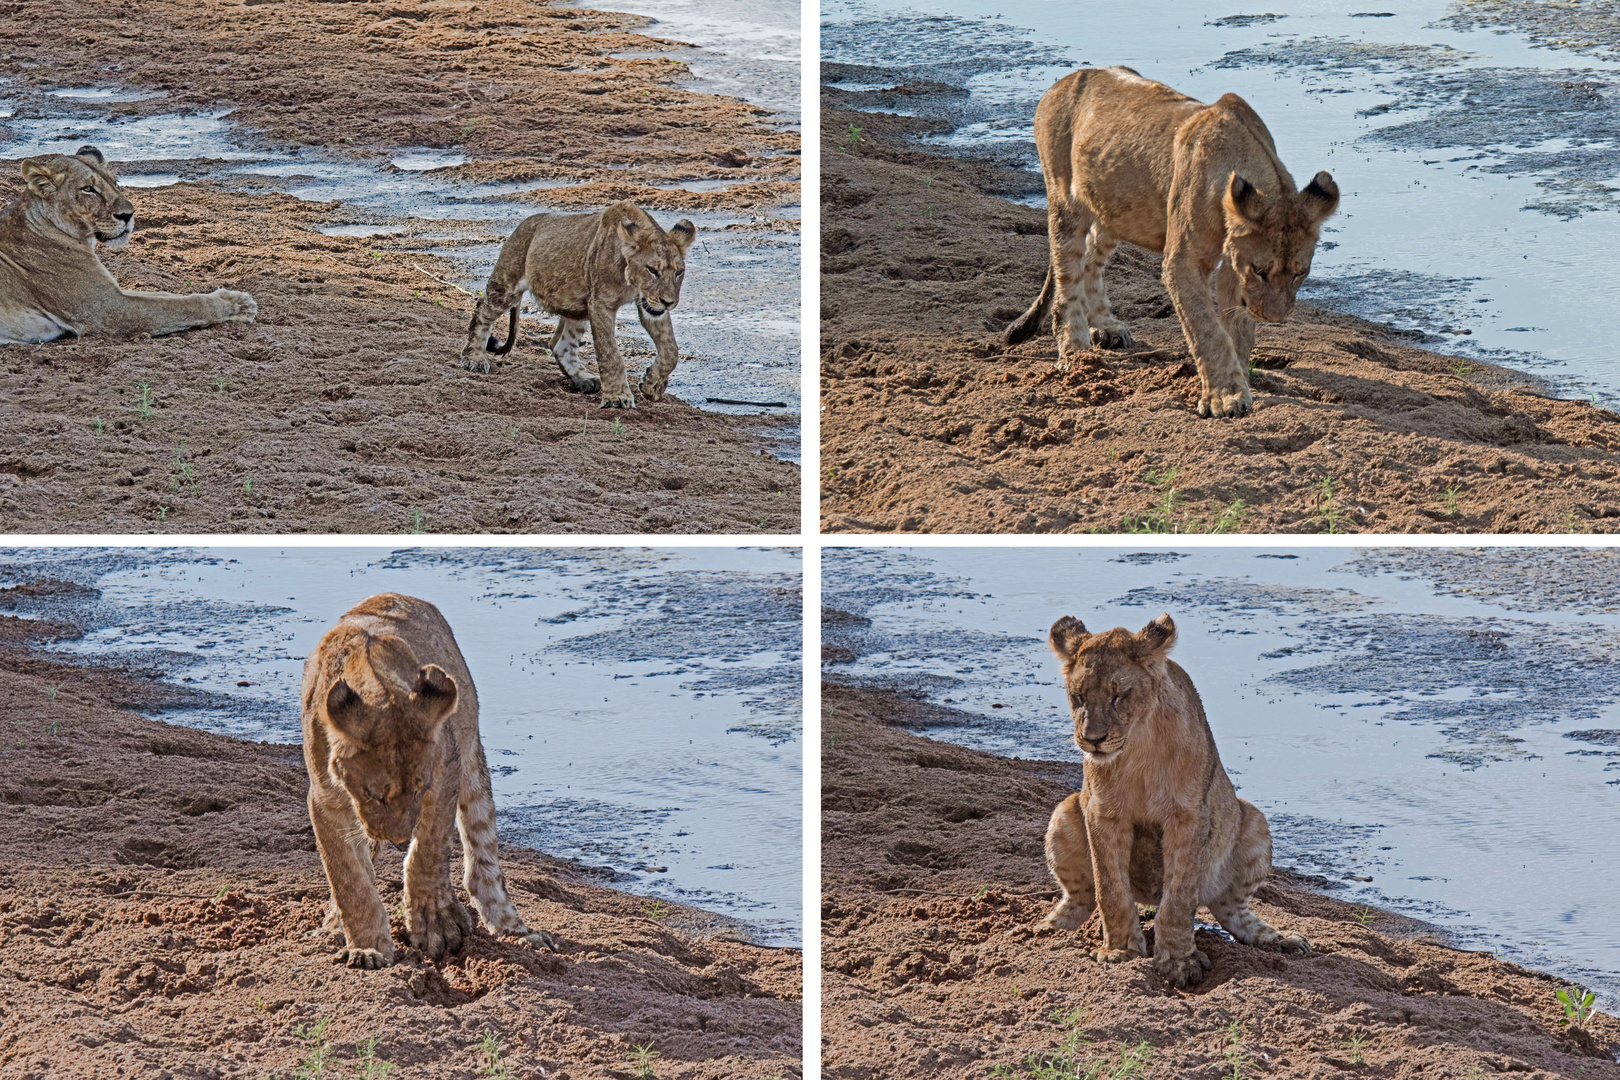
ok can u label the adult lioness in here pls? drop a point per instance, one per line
(1126, 158)
(1156, 817)
(391, 744)
(52, 285)
(584, 268)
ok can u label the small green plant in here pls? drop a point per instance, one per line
(370, 1066)
(185, 473)
(1230, 519)
(317, 1050)
(51, 691)
(852, 141)
(1161, 519)
(928, 181)
(1354, 1043)
(1449, 497)
(930, 210)
(983, 891)
(514, 433)
(830, 742)
(489, 1058)
(1364, 915)
(1461, 368)
(642, 1058)
(258, 1003)
(221, 384)
(163, 513)
(53, 728)
(1578, 1004)
(618, 427)
(101, 426)
(247, 485)
(655, 910)
(1233, 1051)
(1328, 510)
(418, 521)
(1070, 1019)
(143, 407)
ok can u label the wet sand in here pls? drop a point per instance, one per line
(931, 425)
(933, 881)
(159, 887)
(344, 407)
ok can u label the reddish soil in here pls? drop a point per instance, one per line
(159, 889)
(344, 407)
(931, 425)
(933, 881)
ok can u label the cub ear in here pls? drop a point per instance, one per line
(1067, 635)
(683, 234)
(1321, 196)
(41, 181)
(343, 708)
(1242, 202)
(435, 691)
(1155, 640)
(90, 152)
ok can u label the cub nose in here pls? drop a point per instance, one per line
(126, 218)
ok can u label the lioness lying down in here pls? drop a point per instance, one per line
(1126, 158)
(52, 284)
(583, 268)
(391, 744)
(1156, 818)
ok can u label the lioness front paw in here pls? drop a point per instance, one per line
(438, 926)
(1115, 956)
(1291, 943)
(369, 959)
(618, 401)
(1069, 914)
(1233, 401)
(476, 360)
(652, 391)
(1111, 337)
(1185, 970)
(239, 306)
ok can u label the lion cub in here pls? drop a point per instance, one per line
(52, 284)
(391, 743)
(583, 268)
(1156, 818)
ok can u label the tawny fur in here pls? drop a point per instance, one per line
(52, 283)
(391, 744)
(1156, 818)
(1126, 158)
(583, 268)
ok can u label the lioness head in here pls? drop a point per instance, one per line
(1270, 240)
(1112, 679)
(655, 260)
(80, 196)
(385, 712)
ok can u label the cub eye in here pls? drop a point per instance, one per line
(653, 272)
(88, 191)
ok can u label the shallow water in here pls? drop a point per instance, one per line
(1445, 723)
(639, 708)
(1478, 172)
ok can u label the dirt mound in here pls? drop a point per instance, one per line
(930, 424)
(160, 895)
(933, 879)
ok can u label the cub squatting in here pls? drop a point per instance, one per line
(391, 743)
(1156, 818)
(583, 268)
(52, 284)
(1126, 158)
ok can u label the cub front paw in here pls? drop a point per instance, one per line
(1069, 914)
(239, 306)
(535, 939)
(618, 401)
(476, 360)
(1114, 956)
(1232, 401)
(1111, 337)
(369, 959)
(438, 926)
(652, 391)
(1184, 970)
(1291, 943)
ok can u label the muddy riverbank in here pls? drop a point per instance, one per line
(933, 880)
(344, 407)
(931, 425)
(160, 885)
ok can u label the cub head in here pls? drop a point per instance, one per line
(1270, 240)
(654, 260)
(80, 196)
(385, 712)
(1112, 680)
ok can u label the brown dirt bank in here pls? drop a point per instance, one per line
(344, 408)
(933, 878)
(158, 885)
(931, 425)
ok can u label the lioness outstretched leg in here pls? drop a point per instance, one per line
(475, 818)
(1068, 856)
(565, 347)
(1249, 867)
(662, 331)
(1107, 332)
(169, 313)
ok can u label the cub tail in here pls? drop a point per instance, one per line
(1028, 324)
(511, 337)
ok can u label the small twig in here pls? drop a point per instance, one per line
(441, 280)
(201, 896)
(761, 404)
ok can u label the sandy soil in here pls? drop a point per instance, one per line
(931, 425)
(933, 880)
(159, 887)
(343, 409)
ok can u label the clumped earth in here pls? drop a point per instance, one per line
(930, 424)
(933, 882)
(160, 896)
(344, 407)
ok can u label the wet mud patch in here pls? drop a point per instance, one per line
(1580, 581)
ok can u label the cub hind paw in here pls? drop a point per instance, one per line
(1185, 970)
(368, 959)
(1115, 956)
(624, 401)
(536, 939)
(1292, 943)
(1114, 337)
